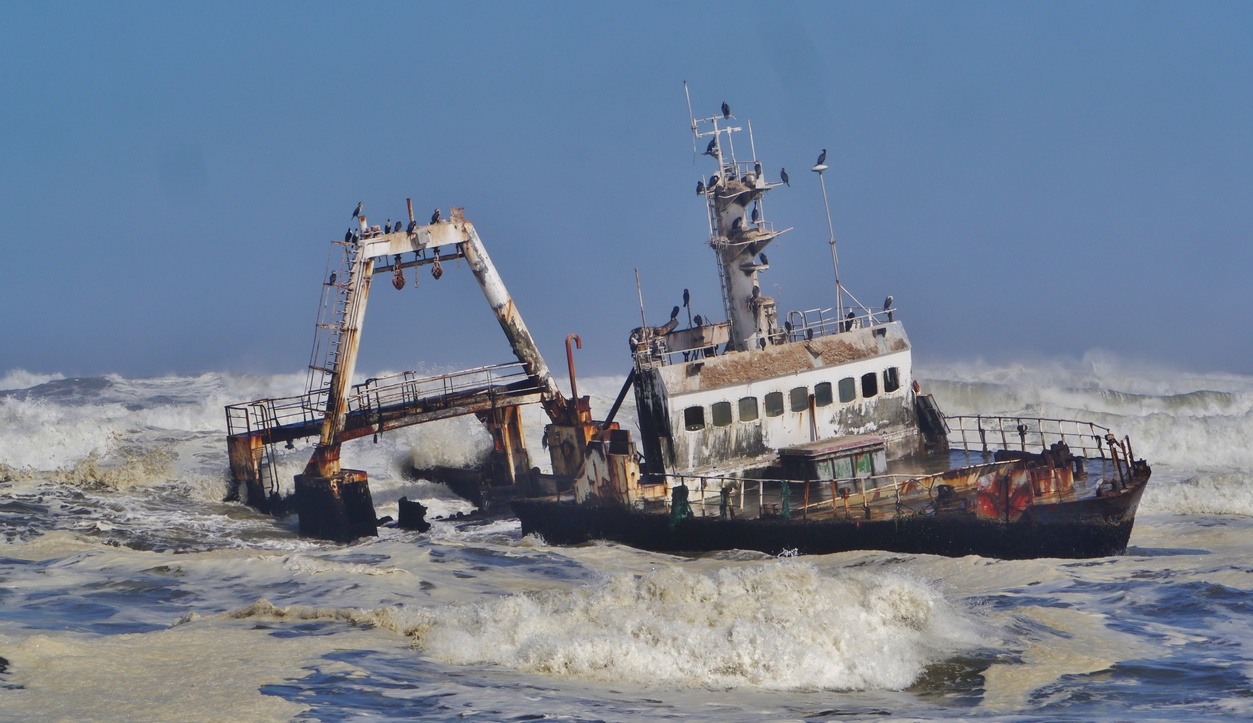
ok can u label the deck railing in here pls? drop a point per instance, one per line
(978, 433)
(987, 435)
(395, 390)
(705, 493)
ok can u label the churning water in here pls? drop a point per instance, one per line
(128, 590)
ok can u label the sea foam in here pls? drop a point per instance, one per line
(779, 626)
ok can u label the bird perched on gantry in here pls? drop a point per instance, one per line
(726, 110)
(783, 176)
(357, 213)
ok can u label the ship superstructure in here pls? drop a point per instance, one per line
(729, 395)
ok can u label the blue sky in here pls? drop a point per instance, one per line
(1028, 179)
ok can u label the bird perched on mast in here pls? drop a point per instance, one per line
(435, 217)
(700, 187)
(687, 298)
(709, 150)
(726, 110)
(783, 175)
(360, 205)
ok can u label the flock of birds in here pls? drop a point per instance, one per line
(353, 235)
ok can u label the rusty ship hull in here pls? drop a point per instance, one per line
(1075, 528)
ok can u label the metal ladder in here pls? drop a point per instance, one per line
(332, 315)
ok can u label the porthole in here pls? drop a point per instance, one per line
(848, 389)
(869, 385)
(774, 404)
(748, 409)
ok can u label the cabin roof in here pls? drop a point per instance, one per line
(833, 446)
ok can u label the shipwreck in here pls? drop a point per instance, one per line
(804, 432)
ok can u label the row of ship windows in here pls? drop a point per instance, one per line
(798, 400)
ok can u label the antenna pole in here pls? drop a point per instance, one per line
(835, 258)
(641, 295)
(690, 118)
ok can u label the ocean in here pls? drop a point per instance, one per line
(130, 591)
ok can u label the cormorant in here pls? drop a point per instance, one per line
(674, 313)
(783, 175)
(887, 303)
(762, 256)
(387, 228)
(757, 168)
(333, 277)
(347, 235)
(435, 217)
(709, 149)
(726, 110)
(412, 225)
(713, 180)
(755, 214)
(756, 292)
(698, 321)
(822, 157)
(360, 206)
(737, 224)
(788, 325)
(700, 187)
(761, 342)
(809, 334)
(686, 298)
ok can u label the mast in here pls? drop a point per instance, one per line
(835, 259)
(730, 194)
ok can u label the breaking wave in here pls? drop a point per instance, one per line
(113, 434)
(1183, 420)
(780, 626)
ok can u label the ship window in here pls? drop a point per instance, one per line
(891, 380)
(869, 385)
(694, 418)
(848, 389)
(822, 394)
(748, 409)
(799, 399)
(721, 414)
(774, 404)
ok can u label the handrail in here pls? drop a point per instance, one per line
(858, 498)
(800, 332)
(987, 434)
(403, 388)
